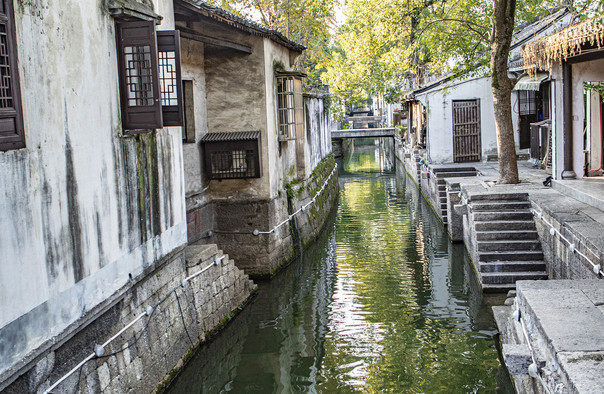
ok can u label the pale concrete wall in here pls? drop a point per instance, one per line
(83, 209)
(281, 155)
(557, 122)
(318, 134)
(192, 64)
(439, 116)
(236, 101)
(582, 72)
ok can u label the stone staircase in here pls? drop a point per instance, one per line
(507, 242)
(440, 174)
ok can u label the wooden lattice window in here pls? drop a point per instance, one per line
(290, 105)
(150, 77)
(12, 135)
(168, 49)
(139, 76)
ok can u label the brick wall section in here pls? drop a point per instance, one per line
(142, 357)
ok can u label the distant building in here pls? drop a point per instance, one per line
(459, 124)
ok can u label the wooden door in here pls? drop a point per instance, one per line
(466, 131)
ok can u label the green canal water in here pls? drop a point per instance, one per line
(383, 302)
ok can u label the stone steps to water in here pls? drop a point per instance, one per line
(506, 235)
(518, 215)
(439, 170)
(515, 255)
(509, 245)
(457, 174)
(501, 206)
(507, 242)
(510, 277)
(505, 225)
(498, 197)
(512, 266)
(498, 288)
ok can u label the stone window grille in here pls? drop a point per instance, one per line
(12, 135)
(232, 155)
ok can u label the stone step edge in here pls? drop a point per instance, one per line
(484, 264)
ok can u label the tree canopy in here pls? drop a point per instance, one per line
(305, 21)
(383, 46)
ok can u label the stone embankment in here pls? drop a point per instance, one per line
(549, 328)
(549, 332)
(141, 340)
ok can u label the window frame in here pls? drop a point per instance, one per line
(290, 105)
(138, 118)
(12, 137)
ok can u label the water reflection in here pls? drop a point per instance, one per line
(382, 302)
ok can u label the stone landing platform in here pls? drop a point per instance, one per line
(557, 325)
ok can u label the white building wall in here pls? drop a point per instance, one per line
(74, 223)
(281, 154)
(439, 117)
(318, 134)
(582, 72)
(193, 69)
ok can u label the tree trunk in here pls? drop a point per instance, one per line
(503, 27)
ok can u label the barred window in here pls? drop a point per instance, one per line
(527, 102)
(290, 105)
(12, 135)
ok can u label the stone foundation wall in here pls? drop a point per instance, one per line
(231, 224)
(258, 255)
(308, 224)
(176, 317)
(582, 232)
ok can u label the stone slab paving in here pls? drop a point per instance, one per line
(566, 316)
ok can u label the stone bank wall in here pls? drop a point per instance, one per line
(174, 316)
(283, 228)
(574, 223)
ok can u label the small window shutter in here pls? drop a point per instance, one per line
(168, 49)
(12, 135)
(139, 76)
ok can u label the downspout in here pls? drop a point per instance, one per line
(567, 108)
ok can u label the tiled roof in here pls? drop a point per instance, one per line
(243, 24)
(231, 136)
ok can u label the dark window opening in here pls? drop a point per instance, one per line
(188, 129)
(168, 49)
(232, 155)
(12, 135)
(290, 105)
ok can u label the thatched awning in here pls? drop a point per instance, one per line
(558, 47)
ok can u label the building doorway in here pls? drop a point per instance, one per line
(467, 145)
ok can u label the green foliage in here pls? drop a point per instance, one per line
(304, 21)
(595, 87)
(385, 44)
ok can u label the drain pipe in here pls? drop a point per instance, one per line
(567, 108)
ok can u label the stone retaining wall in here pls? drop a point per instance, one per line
(233, 222)
(141, 358)
(572, 219)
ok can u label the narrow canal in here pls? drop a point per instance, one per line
(383, 302)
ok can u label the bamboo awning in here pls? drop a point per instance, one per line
(558, 47)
